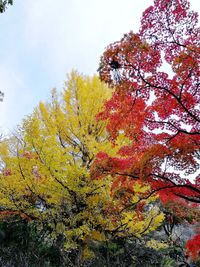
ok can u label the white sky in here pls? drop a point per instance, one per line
(42, 40)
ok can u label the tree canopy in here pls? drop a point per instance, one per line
(155, 104)
(156, 99)
(45, 174)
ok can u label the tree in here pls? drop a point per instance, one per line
(156, 100)
(45, 174)
(4, 4)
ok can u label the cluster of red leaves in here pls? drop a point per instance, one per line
(182, 211)
(159, 112)
(7, 172)
(193, 247)
(7, 215)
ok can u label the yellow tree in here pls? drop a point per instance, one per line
(45, 171)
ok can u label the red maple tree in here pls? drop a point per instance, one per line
(156, 102)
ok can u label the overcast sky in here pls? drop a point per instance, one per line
(42, 40)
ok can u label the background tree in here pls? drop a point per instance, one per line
(4, 4)
(156, 100)
(23, 244)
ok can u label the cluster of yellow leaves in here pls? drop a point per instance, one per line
(139, 226)
(45, 170)
(155, 244)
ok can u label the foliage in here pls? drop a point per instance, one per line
(45, 176)
(88, 184)
(156, 100)
(22, 244)
(125, 253)
(193, 247)
(182, 211)
(4, 4)
(155, 104)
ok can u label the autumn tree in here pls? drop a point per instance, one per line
(156, 99)
(45, 173)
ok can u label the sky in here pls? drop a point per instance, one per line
(43, 40)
